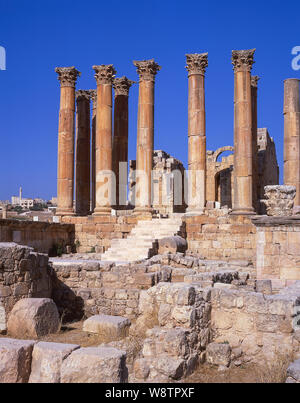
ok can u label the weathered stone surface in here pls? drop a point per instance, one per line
(109, 327)
(2, 319)
(33, 317)
(264, 286)
(15, 360)
(95, 365)
(218, 354)
(172, 245)
(47, 359)
(280, 200)
(293, 371)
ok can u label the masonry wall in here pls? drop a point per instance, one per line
(259, 325)
(221, 236)
(23, 274)
(41, 236)
(278, 249)
(94, 234)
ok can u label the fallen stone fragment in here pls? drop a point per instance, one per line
(33, 318)
(218, 354)
(172, 245)
(95, 365)
(108, 327)
(47, 359)
(15, 360)
(293, 372)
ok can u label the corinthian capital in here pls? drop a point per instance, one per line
(67, 76)
(83, 95)
(104, 73)
(147, 69)
(196, 63)
(122, 85)
(254, 81)
(243, 60)
(93, 94)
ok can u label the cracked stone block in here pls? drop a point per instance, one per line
(109, 327)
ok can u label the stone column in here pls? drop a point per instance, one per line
(93, 150)
(4, 212)
(242, 61)
(120, 140)
(82, 161)
(254, 81)
(147, 70)
(292, 137)
(105, 186)
(65, 173)
(196, 66)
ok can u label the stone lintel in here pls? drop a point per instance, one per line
(147, 69)
(243, 60)
(196, 63)
(67, 76)
(122, 85)
(105, 73)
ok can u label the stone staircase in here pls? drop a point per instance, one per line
(142, 243)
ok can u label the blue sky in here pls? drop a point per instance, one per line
(40, 35)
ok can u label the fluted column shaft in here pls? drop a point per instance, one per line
(292, 136)
(93, 150)
(196, 66)
(243, 134)
(65, 170)
(254, 81)
(104, 176)
(82, 161)
(145, 134)
(120, 140)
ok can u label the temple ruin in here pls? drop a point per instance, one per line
(169, 269)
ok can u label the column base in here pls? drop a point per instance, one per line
(65, 212)
(102, 211)
(243, 211)
(194, 212)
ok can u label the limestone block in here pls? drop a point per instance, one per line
(171, 342)
(15, 360)
(172, 245)
(264, 286)
(172, 368)
(33, 317)
(109, 327)
(218, 354)
(47, 359)
(95, 365)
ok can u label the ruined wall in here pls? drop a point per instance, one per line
(94, 234)
(218, 235)
(23, 274)
(41, 236)
(278, 251)
(168, 175)
(83, 288)
(260, 326)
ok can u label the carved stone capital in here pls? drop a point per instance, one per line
(67, 76)
(243, 60)
(196, 63)
(93, 94)
(104, 73)
(147, 69)
(254, 81)
(83, 95)
(122, 85)
(280, 200)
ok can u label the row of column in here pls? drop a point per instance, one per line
(107, 154)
